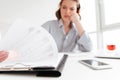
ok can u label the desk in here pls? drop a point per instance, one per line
(76, 71)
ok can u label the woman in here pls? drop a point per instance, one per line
(3, 55)
(67, 30)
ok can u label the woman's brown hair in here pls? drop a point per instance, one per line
(58, 15)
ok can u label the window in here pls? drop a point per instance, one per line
(111, 25)
(101, 19)
(112, 13)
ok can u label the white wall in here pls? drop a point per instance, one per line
(35, 11)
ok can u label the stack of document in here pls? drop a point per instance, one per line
(30, 43)
(31, 47)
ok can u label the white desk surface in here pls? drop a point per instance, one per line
(76, 71)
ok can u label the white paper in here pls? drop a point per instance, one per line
(33, 46)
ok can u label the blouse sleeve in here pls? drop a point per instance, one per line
(84, 43)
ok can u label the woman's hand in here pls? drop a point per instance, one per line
(3, 55)
(75, 18)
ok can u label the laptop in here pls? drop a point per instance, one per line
(108, 54)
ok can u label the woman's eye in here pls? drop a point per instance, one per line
(64, 7)
(71, 9)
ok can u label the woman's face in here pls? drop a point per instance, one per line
(67, 9)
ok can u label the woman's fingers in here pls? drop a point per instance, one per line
(3, 55)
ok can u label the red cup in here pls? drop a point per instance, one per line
(111, 47)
